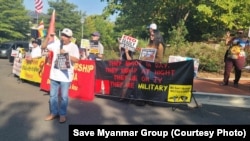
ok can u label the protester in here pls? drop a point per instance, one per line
(235, 57)
(61, 76)
(95, 43)
(156, 41)
(124, 52)
(36, 51)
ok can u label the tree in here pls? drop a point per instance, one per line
(67, 16)
(177, 35)
(134, 16)
(202, 18)
(220, 15)
(14, 20)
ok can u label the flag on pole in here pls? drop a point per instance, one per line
(41, 31)
(38, 6)
(41, 25)
(51, 29)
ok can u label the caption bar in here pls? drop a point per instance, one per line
(159, 131)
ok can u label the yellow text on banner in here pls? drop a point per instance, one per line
(32, 70)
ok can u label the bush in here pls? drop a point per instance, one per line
(211, 56)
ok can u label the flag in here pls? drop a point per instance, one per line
(38, 6)
(51, 29)
(42, 33)
(41, 25)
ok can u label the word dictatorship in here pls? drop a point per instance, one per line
(174, 133)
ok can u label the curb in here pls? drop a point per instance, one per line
(231, 100)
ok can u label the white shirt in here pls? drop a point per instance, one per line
(36, 52)
(62, 75)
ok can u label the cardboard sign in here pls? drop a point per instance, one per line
(172, 59)
(148, 54)
(129, 42)
(85, 43)
(94, 47)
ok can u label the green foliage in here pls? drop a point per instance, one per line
(211, 56)
(177, 35)
(14, 21)
(67, 16)
(203, 19)
(182, 23)
(96, 23)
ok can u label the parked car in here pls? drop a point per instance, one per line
(3, 51)
(6, 48)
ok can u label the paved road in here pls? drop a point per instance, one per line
(23, 107)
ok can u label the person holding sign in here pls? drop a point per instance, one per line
(96, 49)
(65, 53)
(125, 53)
(156, 41)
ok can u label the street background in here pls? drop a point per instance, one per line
(23, 107)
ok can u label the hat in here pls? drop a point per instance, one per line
(96, 34)
(67, 32)
(152, 26)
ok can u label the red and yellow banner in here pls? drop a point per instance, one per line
(32, 69)
(82, 86)
(45, 82)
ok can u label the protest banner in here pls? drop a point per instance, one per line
(32, 69)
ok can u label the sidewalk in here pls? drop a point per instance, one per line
(208, 91)
(211, 85)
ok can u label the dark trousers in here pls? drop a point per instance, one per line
(238, 64)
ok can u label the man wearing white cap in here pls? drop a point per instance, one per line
(65, 53)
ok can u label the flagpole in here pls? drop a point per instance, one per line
(37, 18)
(38, 8)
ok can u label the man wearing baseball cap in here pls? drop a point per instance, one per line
(65, 53)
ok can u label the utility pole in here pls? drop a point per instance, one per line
(82, 21)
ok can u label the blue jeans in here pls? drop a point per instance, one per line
(58, 97)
